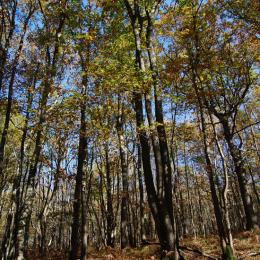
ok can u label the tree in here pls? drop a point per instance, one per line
(127, 124)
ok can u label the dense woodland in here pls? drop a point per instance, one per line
(127, 122)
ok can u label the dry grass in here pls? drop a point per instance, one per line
(247, 242)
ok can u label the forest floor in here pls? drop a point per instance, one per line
(247, 246)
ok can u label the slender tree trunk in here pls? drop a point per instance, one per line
(10, 92)
(210, 171)
(125, 196)
(251, 217)
(253, 183)
(156, 149)
(29, 192)
(141, 195)
(82, 153)
(194, 61)
(4, 49)
(202, 221)
(188, 191)
(230, 246)
(215, 200)
(256, 144)
(17, 234)
(16, 191)
(84, 227)
(165, 157)
(110, 213)
(6, 235)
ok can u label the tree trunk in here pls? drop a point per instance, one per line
(10, 92)
(251, 217)
(230, 246)
(4, 49)
(84, 227)
(165, 157)
(17, 234)
(82, 153)
(125, 196)
(141, 195)
(214, 196)
(110, 213)
(163, 220)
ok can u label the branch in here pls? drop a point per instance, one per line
(129, 10)
(240, 130)
(198, 252)
(248, 254)
(43, 13)
(157, 3)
